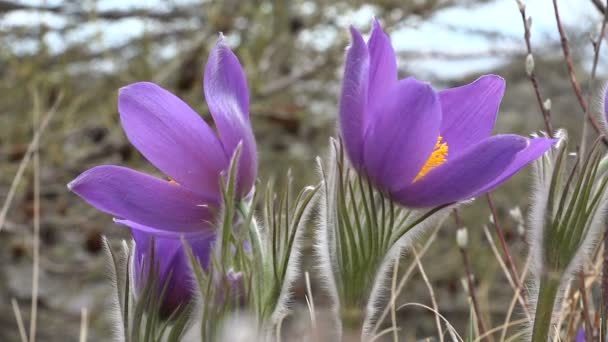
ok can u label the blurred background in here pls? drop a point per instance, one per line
(70, 57)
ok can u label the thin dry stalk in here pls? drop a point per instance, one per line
(382, 333)
(394, 299)
(506, 271)
(605, 271)
(26, 159)
(585, 308)
(451, 329)
(20, 326)
(404, 280)
(84, 323)
(508, 259)
(517, 293)
(311, 305)
(36, 235)
(568, 59)
(471, 289)
(500, 327)
(431, 294)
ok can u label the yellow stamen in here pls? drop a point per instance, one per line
(173, 182)
(438, 157)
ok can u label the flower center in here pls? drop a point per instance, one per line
(438, 157)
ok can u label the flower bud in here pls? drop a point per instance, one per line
(547, 104)
(516, 215)
(528, 23)
(529, 64)
(521, 230)
(462, 237)
(521, 5)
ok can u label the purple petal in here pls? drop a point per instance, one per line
(461, 178)
(174, 269)
(469, 112)
(536, 148)
(171, 136)
(382, 65)
(144, 199)
(401, 134)
(227, 96)
(353, 100)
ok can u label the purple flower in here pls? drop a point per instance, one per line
(424, 148)
(175, 139)
(172, 262)
(580, 335)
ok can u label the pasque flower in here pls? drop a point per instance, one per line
(175, 139)
(424, 148)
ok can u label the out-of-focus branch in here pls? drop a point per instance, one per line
(575, 84)
(545, 110)
(455, 55)
(599, 5)
(173, 14)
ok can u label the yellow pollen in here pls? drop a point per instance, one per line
(173, 182)
(438, 157)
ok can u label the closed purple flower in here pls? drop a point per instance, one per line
(175, 139)
(424, 148)
(580, 335)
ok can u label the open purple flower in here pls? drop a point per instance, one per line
(176, 140)
(424, 148)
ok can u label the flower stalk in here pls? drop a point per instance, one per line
(549, 288)
(566, 217)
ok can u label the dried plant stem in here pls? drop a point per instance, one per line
(311, 305)
(404, 280)
(605, 282)
(472, 292)
(26, 159)
(470, 280)
(546, 112)
(516, 295)
(549, 287)
(36, 235)
(84, 322)
(508, 259)
(515, 288)
(568, 58)
(585, 310)
(597, 45)
(20, 326)
(393, 300)
(431, 294)
(500, 327)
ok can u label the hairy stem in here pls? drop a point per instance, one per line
(549, 286)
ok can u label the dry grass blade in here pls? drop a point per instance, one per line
(514, 300)
(500, 327)
(382, 333)
(311, 304)
(506, 272)
(395, 329)
(26, 159)
(36, 235)
(431, 294)
(404, 280)
(449, 325)
(20, 326)
(84, 324)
